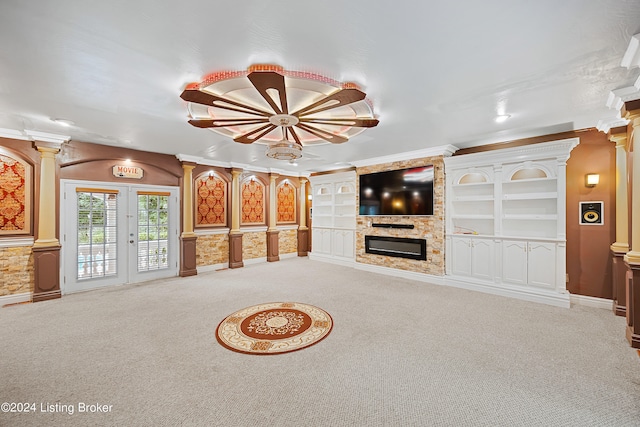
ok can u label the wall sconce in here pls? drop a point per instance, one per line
(592, 179)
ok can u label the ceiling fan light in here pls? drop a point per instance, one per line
(284, 150)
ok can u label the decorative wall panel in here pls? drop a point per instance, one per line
(286, 195)
(15, 196)
(211, 201)
(253, 205)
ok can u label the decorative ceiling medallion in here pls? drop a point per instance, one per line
(267, 104)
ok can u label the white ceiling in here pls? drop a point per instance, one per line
(436, 72)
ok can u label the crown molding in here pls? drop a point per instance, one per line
(605, 125)
(188, 158)
(50, 138)
(618, 97)
(233, 165)
(13, 134)
(441, 150)
(559, 150)
(31, 135)
(631, 58)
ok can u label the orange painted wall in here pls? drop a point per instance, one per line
(588, 256)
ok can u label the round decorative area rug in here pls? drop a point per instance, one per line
(274, 328)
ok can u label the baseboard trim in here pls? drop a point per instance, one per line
(588, 301)
(254, 260)
(541, 296)
(289, 255)
(212, 267)
(15, 299)
(331, 259)
(533, 295)
(411, 275)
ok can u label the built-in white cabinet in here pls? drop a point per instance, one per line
(505, 217)
(529, 263)
(333, 218)
(472, 257)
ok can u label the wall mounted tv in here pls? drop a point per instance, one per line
(397, 192)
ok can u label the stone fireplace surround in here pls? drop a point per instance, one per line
(428, 228)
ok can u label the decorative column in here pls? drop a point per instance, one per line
(46, 248)
(235, 235)
(188, 238)
(273, 251)
(620, 248)
(631, 111)
(303, 230)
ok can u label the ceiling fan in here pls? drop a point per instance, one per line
(283, 109)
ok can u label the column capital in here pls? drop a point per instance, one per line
(188, 166)
(631, 111)
(235, 172)
(46, 150)
(618, 136)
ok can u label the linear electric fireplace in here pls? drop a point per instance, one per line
(396, 246)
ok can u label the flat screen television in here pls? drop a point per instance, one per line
(397, 192)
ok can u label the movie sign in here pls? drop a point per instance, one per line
(125, 171)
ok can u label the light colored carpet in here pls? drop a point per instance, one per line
(402, 353)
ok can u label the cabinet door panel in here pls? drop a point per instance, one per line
(482, 259)
(514, 262)
(542, 264)
(461, 257)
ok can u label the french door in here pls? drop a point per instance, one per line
(117, 234)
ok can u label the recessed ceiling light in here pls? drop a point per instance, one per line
(502, 117)
(64, 122)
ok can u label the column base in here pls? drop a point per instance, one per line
(633, 304)
(619, 286)
(235, 250)
(273, 250)
(188, 265)
(632, 338)
(303, 241)
(46, 266)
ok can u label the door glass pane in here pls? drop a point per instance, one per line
(97, 235)
(153, 225)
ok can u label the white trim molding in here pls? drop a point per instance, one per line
(587, 301)
(618, 97)
(442, 150)
(15, 299)
(212, 267)
(14, 242)
(631, 57)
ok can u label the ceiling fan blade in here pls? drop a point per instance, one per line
(361, 123)
(263, 81)
(221, 123)
(336, 99)
(261, 131)
(199, 97)
(327, 136)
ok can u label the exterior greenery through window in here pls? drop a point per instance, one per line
(153, 231)
(97, 234)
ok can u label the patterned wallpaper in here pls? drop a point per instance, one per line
(286, 195)
(211, 201)
(253, 204)
(13, 199)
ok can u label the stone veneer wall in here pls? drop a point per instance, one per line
(429, 227)
(16, 270)
(212, 249)
(288, 241)
(254, 245)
